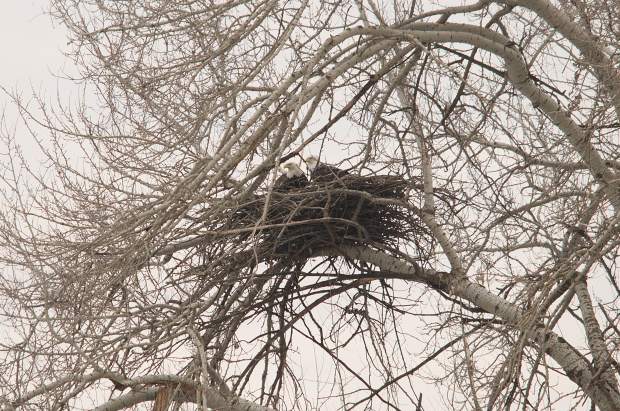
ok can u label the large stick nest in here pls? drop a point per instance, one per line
(351, 210)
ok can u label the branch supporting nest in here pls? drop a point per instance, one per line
(353, 210)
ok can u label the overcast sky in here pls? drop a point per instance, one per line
(31, 61)
(31, 48)
(31, 45)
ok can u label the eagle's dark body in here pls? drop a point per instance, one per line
(292, 178)
(324, 173)
(285, 183)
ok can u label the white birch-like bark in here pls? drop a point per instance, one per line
(144, 389)
(602, 392)
(589, 47)
(518, 74)
(215, 400)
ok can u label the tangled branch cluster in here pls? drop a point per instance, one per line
(352, 210)
(285, 229)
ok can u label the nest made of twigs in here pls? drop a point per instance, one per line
(351, 210)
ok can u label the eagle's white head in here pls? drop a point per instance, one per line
(291, 170)
(311, 161)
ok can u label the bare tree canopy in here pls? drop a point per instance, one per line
(462, 255)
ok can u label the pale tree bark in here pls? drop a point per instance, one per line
(576, 366)
(143, 264)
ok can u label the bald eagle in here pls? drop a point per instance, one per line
(292, 177)
(323, 173)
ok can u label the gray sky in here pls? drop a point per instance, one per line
(31, 62)
(30, 50)
(31, 44)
